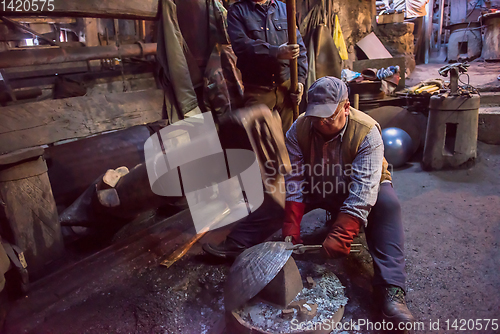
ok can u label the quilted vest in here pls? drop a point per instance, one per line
(358, 126)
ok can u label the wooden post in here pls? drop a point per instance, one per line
(292, 39)
(356, 101)
(29, 207)
(116, 25)
(91, 39)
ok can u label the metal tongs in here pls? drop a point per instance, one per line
(301, 248)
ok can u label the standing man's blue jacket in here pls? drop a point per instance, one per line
(256, 35)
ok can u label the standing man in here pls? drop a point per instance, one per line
(259, 34)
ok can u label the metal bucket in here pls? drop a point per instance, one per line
(465, 41)
(451, 138)
(491, 45)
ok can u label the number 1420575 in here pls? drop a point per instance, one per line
(27, 5)
(472, 324)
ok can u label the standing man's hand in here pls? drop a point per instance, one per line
(288, 51)
(297, 97)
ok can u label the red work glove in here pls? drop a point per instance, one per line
(293, 216)
(338, 241)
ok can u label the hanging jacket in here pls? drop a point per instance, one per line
(174, 74)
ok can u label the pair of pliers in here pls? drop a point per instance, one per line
(301, 248)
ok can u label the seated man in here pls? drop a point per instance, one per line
(338, 164)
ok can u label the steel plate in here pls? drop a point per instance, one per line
(253, 270)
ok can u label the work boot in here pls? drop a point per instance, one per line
(228, 249)
(391, 299)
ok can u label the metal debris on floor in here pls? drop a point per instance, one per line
(327, 296)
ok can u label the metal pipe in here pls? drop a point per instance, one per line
(428, 30)
(21, 94)
(441, 15)
(292, 39)
(29, 57)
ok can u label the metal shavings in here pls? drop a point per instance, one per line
(328, 294)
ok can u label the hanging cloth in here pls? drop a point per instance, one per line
(223, 87)
(175, 78)
(338, 38)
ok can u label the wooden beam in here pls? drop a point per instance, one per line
(33, 72)
(144, 9)
(18, 156)
(46, 122)
(50, 20)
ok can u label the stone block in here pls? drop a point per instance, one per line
(489, 125)
(284, 287)
(452, 132)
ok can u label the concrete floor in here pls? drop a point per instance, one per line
(452, 225)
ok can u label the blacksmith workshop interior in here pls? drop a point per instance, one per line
(249, 166)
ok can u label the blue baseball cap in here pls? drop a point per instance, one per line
(324, 96)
